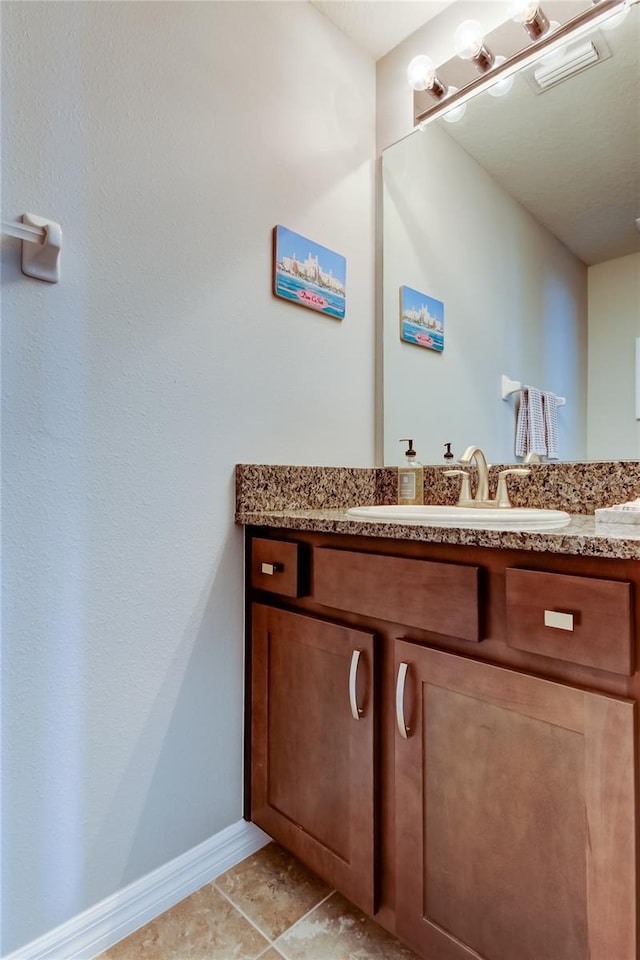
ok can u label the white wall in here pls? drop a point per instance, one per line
(514, 303)
(168, 139)
(614, 323)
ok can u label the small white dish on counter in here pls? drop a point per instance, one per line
(620, 513)
(508, 518)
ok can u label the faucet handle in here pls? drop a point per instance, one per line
(465, 488)
(502, 493)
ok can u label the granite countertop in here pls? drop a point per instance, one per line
(313, 499)
(582, 536)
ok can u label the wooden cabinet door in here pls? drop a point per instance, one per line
(313, 703)
(515, 816)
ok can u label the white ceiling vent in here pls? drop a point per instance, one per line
(566, 63)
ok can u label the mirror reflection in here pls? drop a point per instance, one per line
(521, 220)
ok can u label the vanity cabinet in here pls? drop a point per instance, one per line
(313, 713)
(461, 771)
(514, 814)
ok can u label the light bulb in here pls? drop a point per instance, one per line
(468, 40)
(469, 44)
(456, 113)
(522, 11)
(530, 14)
(422, 75)
(501, 87)
(421, 72)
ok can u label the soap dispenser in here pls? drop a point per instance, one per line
(410, 478)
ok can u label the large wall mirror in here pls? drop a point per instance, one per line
(521, 219)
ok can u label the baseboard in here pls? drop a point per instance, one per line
(89, 933)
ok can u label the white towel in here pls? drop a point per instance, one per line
(530, 427)
(550, 407)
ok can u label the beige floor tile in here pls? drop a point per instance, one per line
(205, 926)
(339, 931)
(271, 955)
(273, 889)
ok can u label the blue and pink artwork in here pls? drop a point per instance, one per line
(306, 273)
(421, 319)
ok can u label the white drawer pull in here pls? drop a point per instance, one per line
(271, 568)
(560, 621)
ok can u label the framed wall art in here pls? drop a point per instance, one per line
(421, 319)
(308, 274)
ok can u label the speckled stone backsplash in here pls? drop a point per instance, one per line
(575, 487)
(303, 488)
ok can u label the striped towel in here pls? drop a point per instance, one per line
(530, 426)
(550, 408)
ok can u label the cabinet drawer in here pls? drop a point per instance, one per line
(438, 597)
(579, 619)
(275, 566)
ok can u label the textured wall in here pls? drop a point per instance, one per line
(168, 139)
(614, 324)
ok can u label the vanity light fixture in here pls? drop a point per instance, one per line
(450, 89)
(469, 45)
(532, 17)
(421, 74)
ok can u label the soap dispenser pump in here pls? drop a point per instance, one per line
(410, 478)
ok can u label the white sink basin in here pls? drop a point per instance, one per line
(509, 518)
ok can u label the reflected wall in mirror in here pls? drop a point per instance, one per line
(521, 219)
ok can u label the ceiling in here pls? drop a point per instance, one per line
(377, 26)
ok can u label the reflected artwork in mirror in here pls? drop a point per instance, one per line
(521, 217)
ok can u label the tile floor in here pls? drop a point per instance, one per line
(268, 907)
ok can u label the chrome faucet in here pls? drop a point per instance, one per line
(475, 453)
